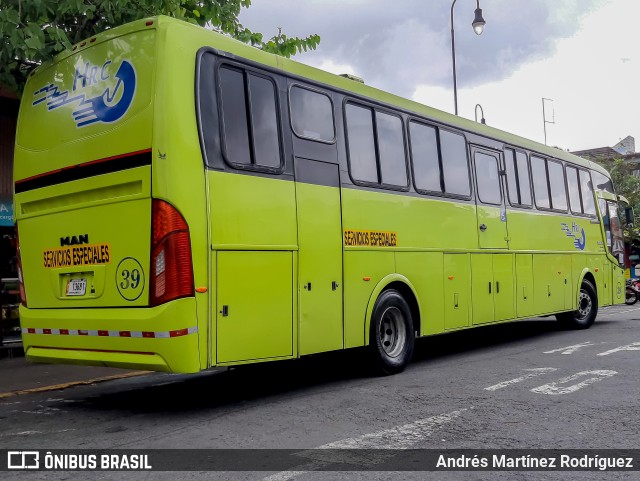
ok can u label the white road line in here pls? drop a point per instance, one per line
(620, 311)
(629, 347)
(31, 433)
(569, 349)
(533, 373)
(398, 437)
(555, 388)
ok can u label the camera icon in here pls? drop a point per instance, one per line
(23, 460)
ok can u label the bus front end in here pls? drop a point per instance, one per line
(105, 268)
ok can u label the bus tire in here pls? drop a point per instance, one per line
(585, 315)
(391, 337)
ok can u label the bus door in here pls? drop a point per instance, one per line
(492, 278)
(317, 175)
(491, 211)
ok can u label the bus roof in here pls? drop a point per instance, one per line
(235, 47)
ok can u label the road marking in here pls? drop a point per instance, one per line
(44, 410)
(556, 388)
(533, 373)
(66, 385)
(629, 347)
(619, 311)
(398, 437)
(569, 349)
(31, 433)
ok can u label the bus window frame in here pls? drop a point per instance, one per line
(438, 128)
(593, 192)
(246, 70)
(579, 169)
(495, 154)
(564, 183)
(546, 160)
(530, 177)
(373, 107)
(297, 84)
(467, 152)
(418, 121)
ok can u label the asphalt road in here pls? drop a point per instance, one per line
(521, 385)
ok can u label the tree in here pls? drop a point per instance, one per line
(33, 31)
(628, 185)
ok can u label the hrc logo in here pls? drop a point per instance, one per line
(577, 233)
(108, 106)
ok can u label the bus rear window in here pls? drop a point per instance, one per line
(248, 106)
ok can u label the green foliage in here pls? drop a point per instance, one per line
(627, 185)
(33, 31)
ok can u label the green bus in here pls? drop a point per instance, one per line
(185, 201)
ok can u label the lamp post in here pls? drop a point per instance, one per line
(478, 26)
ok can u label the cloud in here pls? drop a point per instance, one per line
(399, 45)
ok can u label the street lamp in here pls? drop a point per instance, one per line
(478, 26)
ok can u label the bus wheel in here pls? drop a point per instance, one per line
(392, 337)
(585, 315)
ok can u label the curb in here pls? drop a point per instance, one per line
(56, 387)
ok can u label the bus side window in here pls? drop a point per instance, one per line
(250, 120)
(586, 188)
(488, 179)
(557, 185)
(518, 179)
(376, 147)
(540, 186)
(393, 162)
(312, 115)
(362, 150)
(234, 116)
(424, 155)
(575, 201)
(454, 163)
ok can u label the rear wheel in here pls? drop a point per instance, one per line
(585, 315)
(392, 337)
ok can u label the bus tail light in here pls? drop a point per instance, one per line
(171, 265)
(23, 294)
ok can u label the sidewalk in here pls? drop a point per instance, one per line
(17, 376)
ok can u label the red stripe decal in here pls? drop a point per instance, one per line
(148, 334)
(31, 330)
(103, 333)
(179, 332)
(83, 333)
(125, 333)
(64, 332)
(46, 331)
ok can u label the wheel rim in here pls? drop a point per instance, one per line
(584, 305)
(393, 332)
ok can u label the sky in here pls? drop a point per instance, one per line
(582, 54)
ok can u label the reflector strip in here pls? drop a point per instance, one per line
(103, 333)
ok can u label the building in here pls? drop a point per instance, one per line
(625, 150)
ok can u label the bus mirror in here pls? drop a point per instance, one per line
(628, 215)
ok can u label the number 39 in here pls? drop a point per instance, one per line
(130, 279)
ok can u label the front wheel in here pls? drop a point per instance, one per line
(392, 337)
(585, 315)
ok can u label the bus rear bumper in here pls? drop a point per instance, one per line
(82, 357)
(162, 338)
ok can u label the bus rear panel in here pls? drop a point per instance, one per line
(106, 269)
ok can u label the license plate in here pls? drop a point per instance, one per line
(76, 287)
